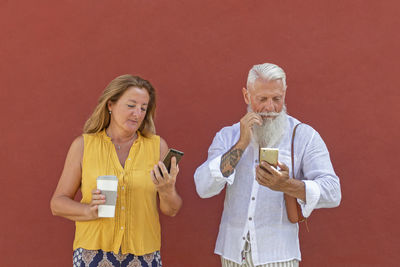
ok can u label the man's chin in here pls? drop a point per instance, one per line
(271, 132)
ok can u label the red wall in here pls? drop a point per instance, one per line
(342, 61)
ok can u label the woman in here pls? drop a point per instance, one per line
(119, 139)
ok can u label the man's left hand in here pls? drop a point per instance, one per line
(271, 177)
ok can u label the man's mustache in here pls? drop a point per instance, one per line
(269, 114)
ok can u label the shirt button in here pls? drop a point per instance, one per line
(129, 158)
(122, 208)
(122, 228)
(250, 218)
(123, 187)
(244, 238)
(253, 198)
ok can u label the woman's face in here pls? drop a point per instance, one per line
(129, 111)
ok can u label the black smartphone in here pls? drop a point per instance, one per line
(172, 153)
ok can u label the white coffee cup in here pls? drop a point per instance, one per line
(108, 185)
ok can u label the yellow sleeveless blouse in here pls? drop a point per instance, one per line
(135, 228)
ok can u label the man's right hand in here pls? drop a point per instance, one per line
(231, 158)
(246, 124)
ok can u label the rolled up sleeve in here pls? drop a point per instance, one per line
(208, 177)
(321, 182)
(313, 194)
(216, 173)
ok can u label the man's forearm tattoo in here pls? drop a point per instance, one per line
(229, 161)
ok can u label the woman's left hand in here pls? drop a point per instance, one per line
(165, 183)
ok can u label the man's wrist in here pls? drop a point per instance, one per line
(242, 145)
(295, 188)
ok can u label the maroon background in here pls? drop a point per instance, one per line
(342, 61)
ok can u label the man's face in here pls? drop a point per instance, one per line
(265, 96)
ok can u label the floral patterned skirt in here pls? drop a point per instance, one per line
(98, 258)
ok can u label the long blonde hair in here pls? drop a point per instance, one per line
(100, 119)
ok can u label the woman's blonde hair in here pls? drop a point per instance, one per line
(100, 119)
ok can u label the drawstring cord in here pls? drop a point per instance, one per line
(246, 248)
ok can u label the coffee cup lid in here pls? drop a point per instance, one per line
(107, 177)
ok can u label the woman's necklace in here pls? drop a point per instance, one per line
(118, 146)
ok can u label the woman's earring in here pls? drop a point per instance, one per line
(109, 112)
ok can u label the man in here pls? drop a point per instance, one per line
(254, 229)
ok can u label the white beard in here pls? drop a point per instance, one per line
(270, 133)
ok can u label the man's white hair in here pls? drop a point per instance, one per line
(266, 71)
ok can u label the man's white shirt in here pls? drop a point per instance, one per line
(258, 210)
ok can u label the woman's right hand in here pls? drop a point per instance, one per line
(97, 199)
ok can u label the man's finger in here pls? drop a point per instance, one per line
(255, 116)
(269, 168)
(255, 120)
(259, 119)
(266, 166)
(261, 180)
(282, 166)
(251, 116)
(260, 172)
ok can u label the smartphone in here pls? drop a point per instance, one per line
(172, 153)
(269, 155)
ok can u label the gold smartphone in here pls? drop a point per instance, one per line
(269, 155)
